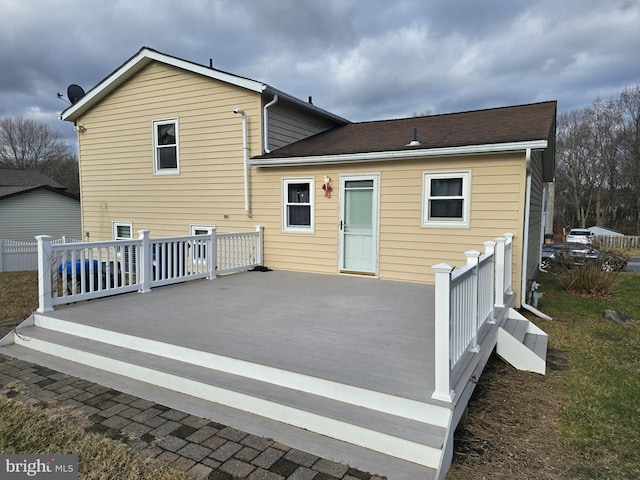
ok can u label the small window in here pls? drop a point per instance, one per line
(165, 150)
(297, 205)
(122, 231)
(127, 253)
(200, 252)
(446, 199)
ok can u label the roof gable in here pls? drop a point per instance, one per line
(531, 125)
(147, 55)
(15, 182)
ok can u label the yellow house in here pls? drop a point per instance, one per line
(177, 148)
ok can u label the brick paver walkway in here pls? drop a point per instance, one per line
(198, 446)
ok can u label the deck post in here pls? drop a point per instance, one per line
(499, 296)
(260, 246)
(212, 258)
(490, 250)
(144, 259)
(473, 257)
(508, 263)
(45, 299)
(442, 390)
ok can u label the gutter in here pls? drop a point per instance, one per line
(245, 156)
(391, 155)
(525, 246)
(266, 122)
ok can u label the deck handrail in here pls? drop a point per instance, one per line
(465, 302)
(76, 271)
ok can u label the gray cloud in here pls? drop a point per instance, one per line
(361, 59)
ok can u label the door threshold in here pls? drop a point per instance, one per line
(356, 272)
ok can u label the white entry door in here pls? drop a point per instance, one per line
(359, 223)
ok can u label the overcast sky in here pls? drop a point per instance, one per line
(361, 59)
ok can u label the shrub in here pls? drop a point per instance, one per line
(590, 279)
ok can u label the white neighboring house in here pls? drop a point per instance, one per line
(604, 232)
(33, 204)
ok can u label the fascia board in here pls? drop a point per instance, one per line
(400, 154)
(143, 57)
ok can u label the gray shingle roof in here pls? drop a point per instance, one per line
(16, 181)
(520, 123)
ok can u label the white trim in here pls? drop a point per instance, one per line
(398, 154)
(284, 201)
(155, 124)
(466, 198)
(375, 176)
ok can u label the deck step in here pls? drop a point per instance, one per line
(305, 440)
(407, 438)
(517, 328)
(522, 343)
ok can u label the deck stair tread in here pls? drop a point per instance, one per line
(339, 451)
(537, 344)
(404, 428)
(517, 328)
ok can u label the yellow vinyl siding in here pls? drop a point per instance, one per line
(118, 181)
(406, 249)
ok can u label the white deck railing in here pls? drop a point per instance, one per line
(71, 272)
(465, 301)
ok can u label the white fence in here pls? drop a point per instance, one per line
(71, 272)
(17, 256)
(627, 241)
(465, 301)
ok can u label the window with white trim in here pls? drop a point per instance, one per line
(122, 231)
(126, 253)
(165, 146)
(200, 252)
(298, 205)
(446, 199)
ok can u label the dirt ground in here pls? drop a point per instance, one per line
(511, 427)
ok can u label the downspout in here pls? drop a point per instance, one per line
(245, 155)
(266, 123)
(525, 245)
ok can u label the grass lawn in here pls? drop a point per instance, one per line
(600, 417)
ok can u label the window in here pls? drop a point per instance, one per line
(165, 146)
(446, 199)
(297, 205)
(122, 231)
(126, 253)
(200, 251)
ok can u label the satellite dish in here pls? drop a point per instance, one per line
(74, 93)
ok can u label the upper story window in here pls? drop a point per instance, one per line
(446, 199)
(165, 146)
(297, 205)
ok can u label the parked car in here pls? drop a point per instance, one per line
(580, 235)
(573, 254)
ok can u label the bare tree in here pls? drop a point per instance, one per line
(28, 144)
(629, 102)
(576, 167)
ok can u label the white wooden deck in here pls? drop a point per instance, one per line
(359, 331)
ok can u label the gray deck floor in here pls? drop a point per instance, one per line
(366, 332)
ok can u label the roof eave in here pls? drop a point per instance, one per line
(138, 61)
(399, 154)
